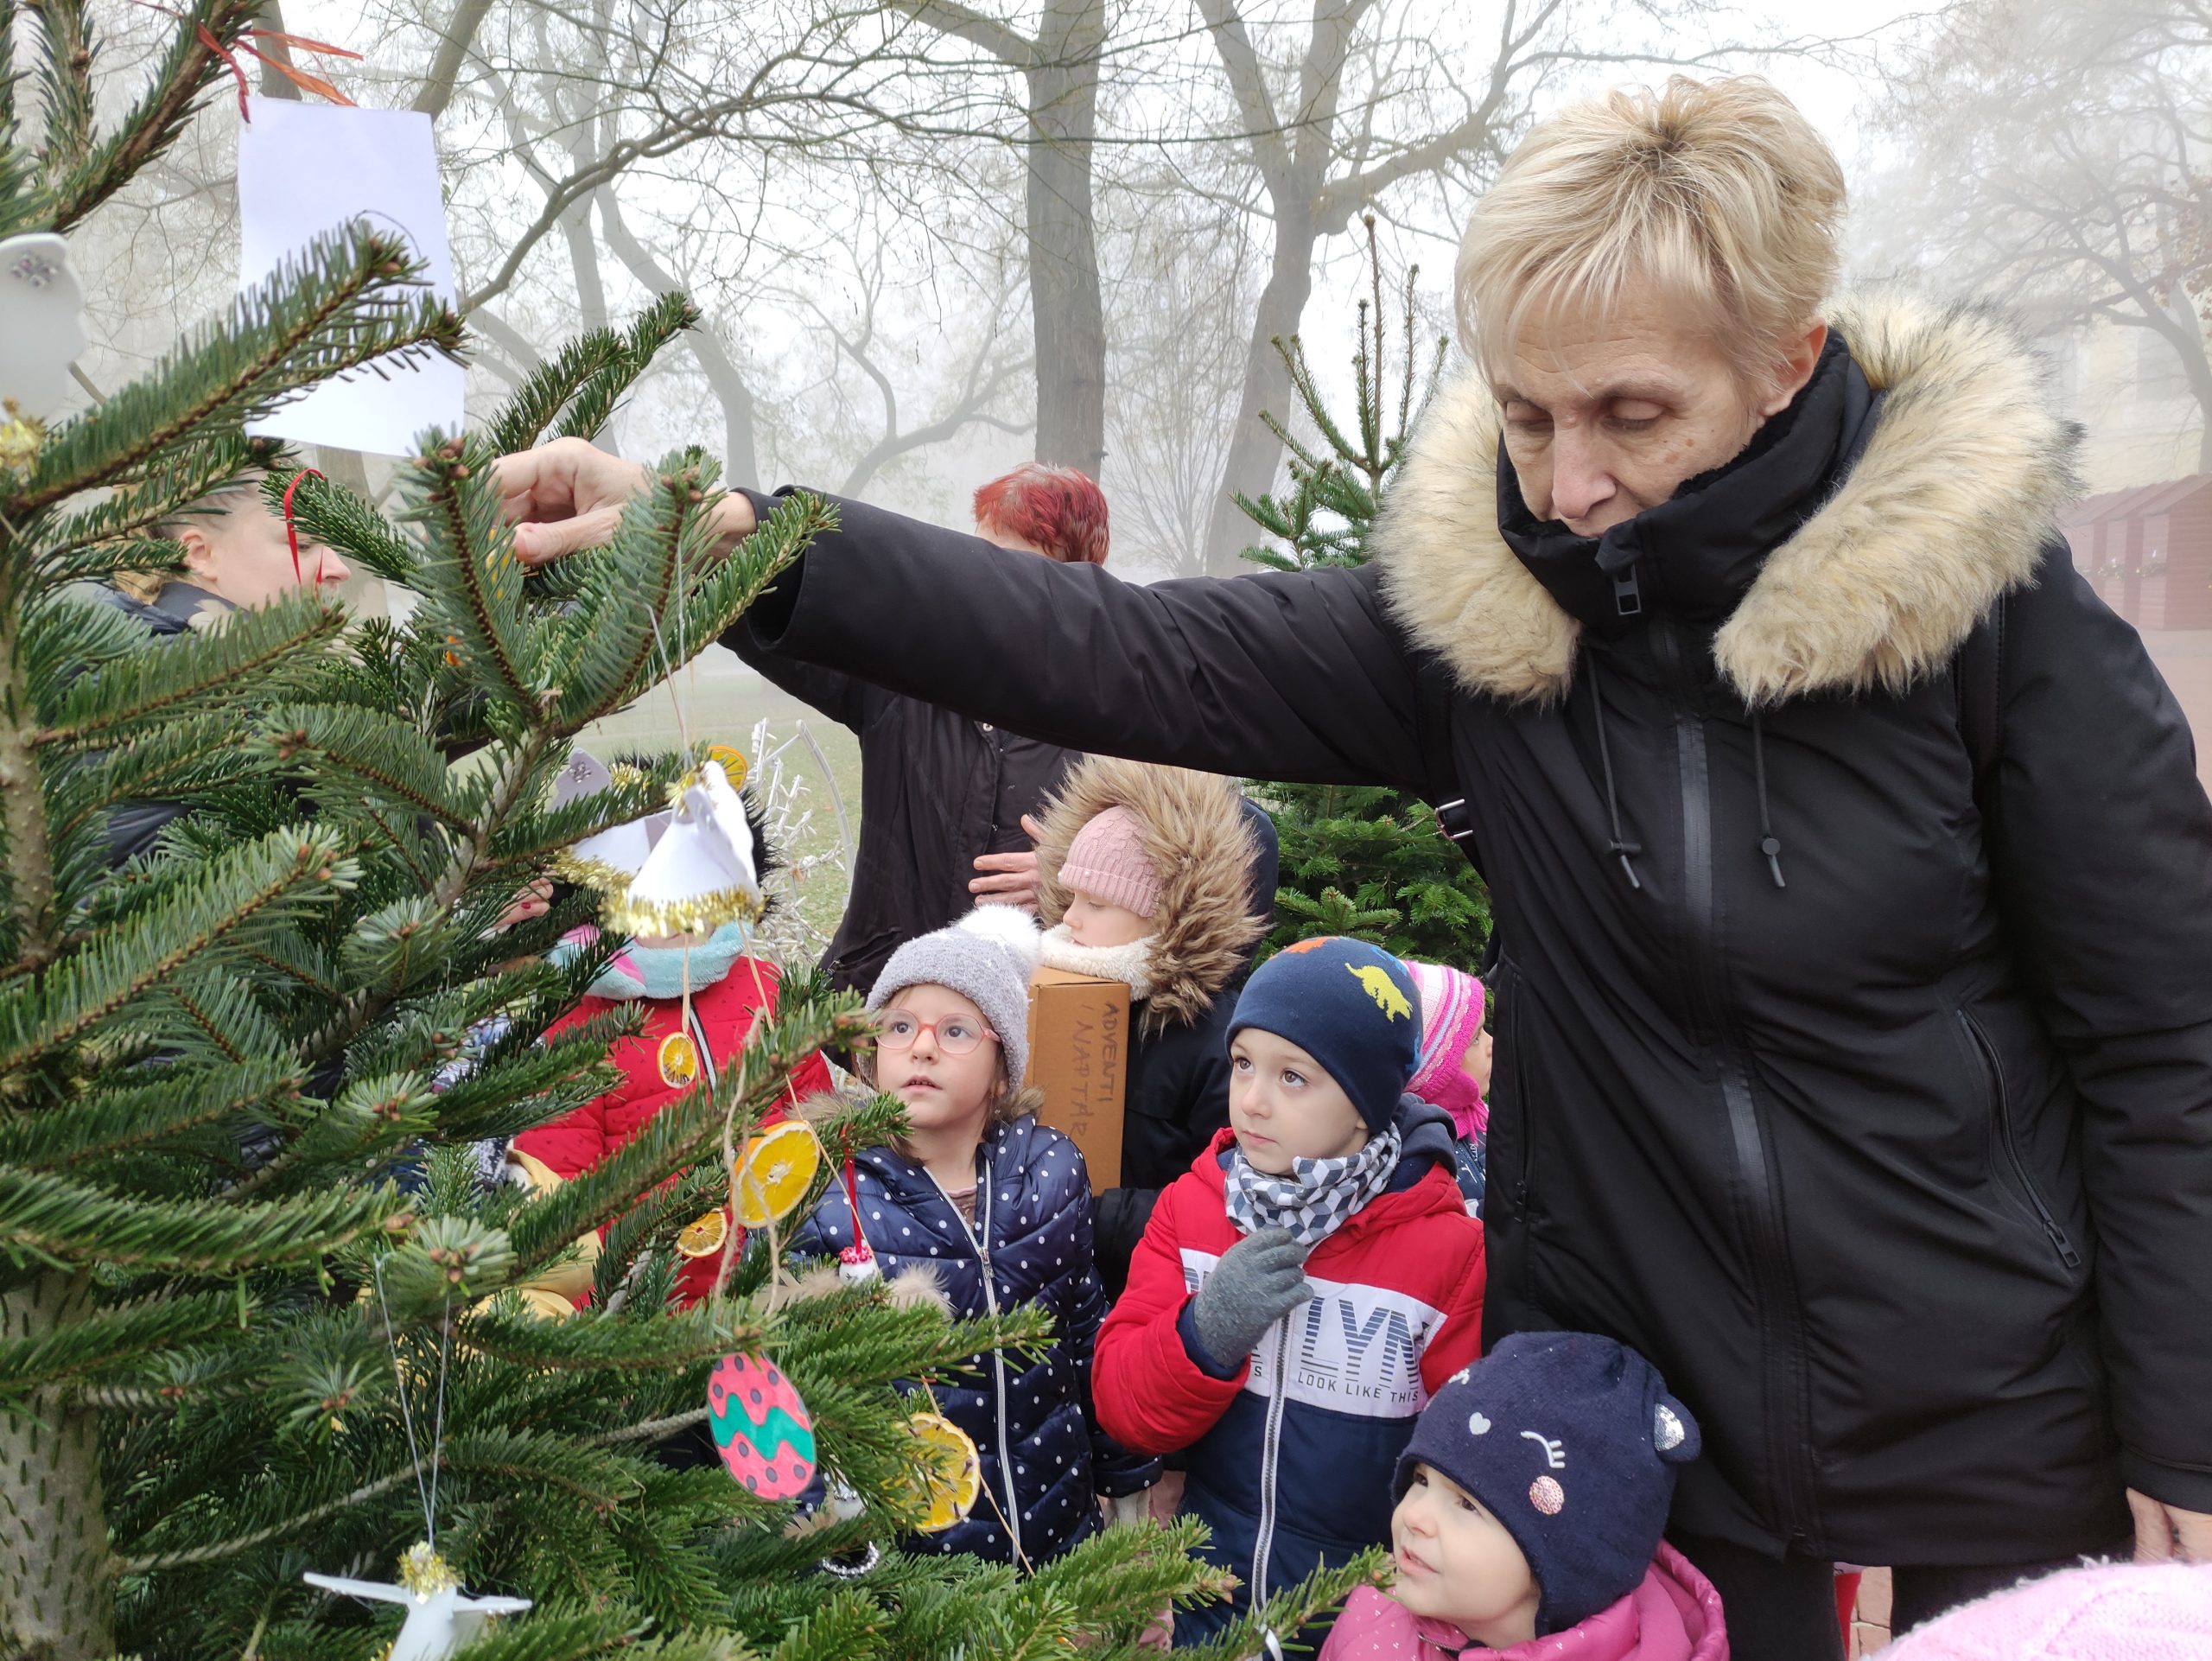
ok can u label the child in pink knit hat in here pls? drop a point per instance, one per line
(1164, 880)
(2109, 1612)
(1455, 1063)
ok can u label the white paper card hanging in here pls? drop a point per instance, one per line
(305, 169)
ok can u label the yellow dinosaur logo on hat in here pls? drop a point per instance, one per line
(1380, 987)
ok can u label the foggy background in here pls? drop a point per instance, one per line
(935, 237)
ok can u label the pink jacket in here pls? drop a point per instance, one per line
(1673, 1616)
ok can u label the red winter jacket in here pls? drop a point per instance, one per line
(1291, 1453)
(721, 1018)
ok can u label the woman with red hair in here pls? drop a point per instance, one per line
(945, 802)
(1040, 509)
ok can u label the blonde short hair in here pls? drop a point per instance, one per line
(220, 503)
(1718, 194)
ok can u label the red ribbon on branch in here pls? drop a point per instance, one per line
(299, 78)
(291, 527)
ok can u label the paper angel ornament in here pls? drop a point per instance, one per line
(440, 1617)
(700, 874)
(41, 324)
(606, 863)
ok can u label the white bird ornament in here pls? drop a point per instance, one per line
(440, 1617)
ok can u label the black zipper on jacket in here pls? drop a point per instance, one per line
(1774, 1293)
(979, 1236)
(2008, 1139)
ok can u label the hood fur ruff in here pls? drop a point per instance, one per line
(1193, 828)
(1950, 506)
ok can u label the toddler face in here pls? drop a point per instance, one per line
(919, 1032)
(1095, 922)
(1456, 1563)
(1476, 1063)
(1283, 1107)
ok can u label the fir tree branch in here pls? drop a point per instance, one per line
(471, 581)
(261, 648)
(46, 1220)
(112, 1122)
(140, 952)
(334, 515)
(64, 79)
(602, 392)
(592, 1341)
(104, 1338)
(216, 1550)
(339, 303)
(170, 483)
(538, 402)
(190, 67)
(365, 749)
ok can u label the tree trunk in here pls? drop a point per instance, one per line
(57, 1589)
(1254, 451)
(1065, 302)
(740, 452)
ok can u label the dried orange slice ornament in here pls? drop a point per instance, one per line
(678, 1059)
(703, 1236)
(774, 1173)
(733, 760)
(950, 1475)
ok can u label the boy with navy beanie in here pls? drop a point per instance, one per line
(1300, 1293)
(1531, 1501)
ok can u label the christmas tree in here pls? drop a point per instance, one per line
(1360, 859)
(235, 1347)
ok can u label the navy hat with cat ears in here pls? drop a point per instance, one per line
(1571, 1442)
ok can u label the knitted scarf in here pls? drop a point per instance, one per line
(1131, 964)
(638, 971)
(1317, 1197)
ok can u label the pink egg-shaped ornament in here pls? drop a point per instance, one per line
(761, 1426)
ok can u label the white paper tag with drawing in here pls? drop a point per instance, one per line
(306, 169)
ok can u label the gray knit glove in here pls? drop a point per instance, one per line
(1258, 1280)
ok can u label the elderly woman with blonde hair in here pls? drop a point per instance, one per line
(1852, 879)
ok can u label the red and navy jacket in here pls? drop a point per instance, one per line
(722, 1017)
(1291, 1449)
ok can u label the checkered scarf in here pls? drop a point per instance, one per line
(1314, 1200)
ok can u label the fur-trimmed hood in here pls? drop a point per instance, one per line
(1193, 830)
(1950, 504)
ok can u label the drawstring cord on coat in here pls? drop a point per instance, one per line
(1624, 849)
(1769, 845)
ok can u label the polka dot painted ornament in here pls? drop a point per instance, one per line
(762, 1428)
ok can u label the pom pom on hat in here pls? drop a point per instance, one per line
(1570, 1440)
(988, 958)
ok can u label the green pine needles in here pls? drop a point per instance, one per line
(1356, 859)
(235, 1345)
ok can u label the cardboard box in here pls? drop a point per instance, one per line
(1079, 1057)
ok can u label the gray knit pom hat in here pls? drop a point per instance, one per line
(988, 958)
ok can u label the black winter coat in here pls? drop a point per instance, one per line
(1044, 1459)
(1901, 1174)
(937, 790)
(133, 826)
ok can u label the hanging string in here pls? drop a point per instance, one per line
(406, 1418)
(438, 1430)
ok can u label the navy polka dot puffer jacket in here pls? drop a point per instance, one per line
(1044, 1460)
